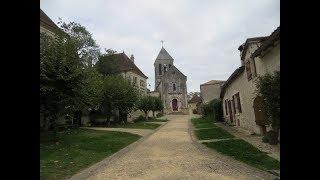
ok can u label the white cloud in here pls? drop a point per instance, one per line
(202, 36)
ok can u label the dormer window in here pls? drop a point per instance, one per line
(160, 69)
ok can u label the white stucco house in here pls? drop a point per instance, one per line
(241, 105)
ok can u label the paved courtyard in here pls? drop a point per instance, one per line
(170, 153)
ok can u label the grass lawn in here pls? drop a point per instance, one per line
(137, 125)
(213, 133)
(245, 152)
(203, 122)
(78, 149)
(158, 120)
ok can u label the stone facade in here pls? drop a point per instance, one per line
(138, 81)
(239, 92)
(210, 90)
(170, 83)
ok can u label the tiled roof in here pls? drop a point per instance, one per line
(47, 23)
(245, 45)
(212, 82)
(163, 55)
(125, 64)
(233, 76)
(275, 36)
(195, 99)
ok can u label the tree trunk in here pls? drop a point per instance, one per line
(108, 120)
(146, 112)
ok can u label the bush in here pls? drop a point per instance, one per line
(139, 119)
(270, 137)
(160, 114)
(194, 111)
(213, 109)
(268, 86)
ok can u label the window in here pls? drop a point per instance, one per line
(226, 106)
(233, 104)
(174, 87)
(248, 69)
(238, 103)
(253, 67)
(169, 66)
(160, 69)
(164, 68)
(134, 80)
(141, 83)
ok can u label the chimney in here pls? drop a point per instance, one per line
(132, 58)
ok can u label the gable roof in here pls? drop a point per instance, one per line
(195, 99)
(163, 55)
(233, 76)
(274, 36)
(212, 82)
(47, 23)
(173, 68)
(125, 64)
(245, 45)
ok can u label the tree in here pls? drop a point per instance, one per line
(145, 104)
(157, 104)
(268, 86)
(60, 77)
(68, 83)
(86, 47)
(107, 64)
(119, 95)
(191, 94)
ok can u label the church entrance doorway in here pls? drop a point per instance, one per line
(174, 104)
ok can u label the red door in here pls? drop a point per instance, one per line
(175, 105)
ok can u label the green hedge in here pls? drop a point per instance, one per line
(213, 109)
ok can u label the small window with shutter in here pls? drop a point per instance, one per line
(226, 106)
(238, 102)
(248, 70)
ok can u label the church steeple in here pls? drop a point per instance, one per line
(162, 64)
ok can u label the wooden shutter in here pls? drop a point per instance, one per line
(239, 103)
(233, 105)
(226, 106)
(248, 70)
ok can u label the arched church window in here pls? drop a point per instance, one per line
(164, 68)
(174, 87)
(169, 66)
(160, 69)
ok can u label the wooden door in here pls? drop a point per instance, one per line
(175, 105)
(259, 111)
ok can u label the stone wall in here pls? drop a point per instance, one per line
(209, 92)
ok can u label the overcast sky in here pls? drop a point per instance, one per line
(202, 36)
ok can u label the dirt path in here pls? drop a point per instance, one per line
(170, 153)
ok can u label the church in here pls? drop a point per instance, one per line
(170, 84)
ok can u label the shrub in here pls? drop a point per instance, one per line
(160, 114)
(194, 111)
(270, 137)
(213, 109)
(139, 119)
(268, 86)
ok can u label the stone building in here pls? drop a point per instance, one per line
(194, 104)
(241, 105)
(130, 71)
(47, 25)
(210, 90)
(170, 83)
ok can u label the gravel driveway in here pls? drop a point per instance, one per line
(170, 153)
